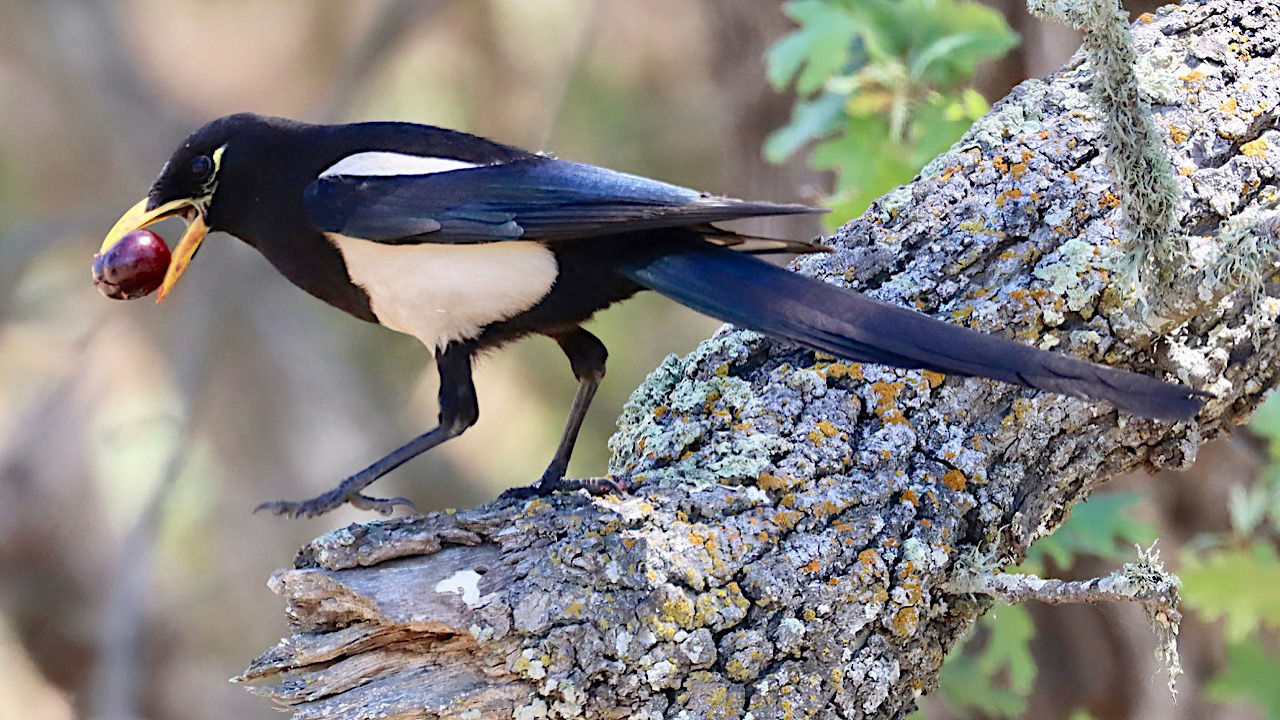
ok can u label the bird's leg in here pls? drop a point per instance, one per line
(587, 357)
(458, 411)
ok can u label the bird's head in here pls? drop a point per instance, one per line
(186, 188)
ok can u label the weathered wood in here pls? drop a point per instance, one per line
(790, 554)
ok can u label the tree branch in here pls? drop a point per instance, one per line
(791, 552)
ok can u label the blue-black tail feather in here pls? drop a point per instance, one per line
(753, 294)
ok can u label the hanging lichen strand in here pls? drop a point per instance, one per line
(1134, 150)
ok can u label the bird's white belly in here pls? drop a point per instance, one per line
(439, 293)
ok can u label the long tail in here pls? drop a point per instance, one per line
(753, 294)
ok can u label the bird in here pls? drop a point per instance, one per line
(468, 244)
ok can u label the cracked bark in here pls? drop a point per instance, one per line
(791, 551)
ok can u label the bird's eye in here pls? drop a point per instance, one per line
(201, 167)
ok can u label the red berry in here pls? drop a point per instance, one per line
(133, 267)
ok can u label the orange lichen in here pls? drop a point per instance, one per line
(914, 592)
(787, 519)
(1178, 135)
(660, 411)
(812, 566)
(828, 429)
(767, 481)
(887, 402)
(910, 496)
(906, 621)
(1230, 105)
(954, 479)
(934, 378)
(1017, 411)
(1010, 194)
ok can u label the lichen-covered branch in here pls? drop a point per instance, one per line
(792, 550)
(1145, 582)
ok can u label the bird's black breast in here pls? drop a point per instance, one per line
(277, 227)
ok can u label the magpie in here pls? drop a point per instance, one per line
(467, 244)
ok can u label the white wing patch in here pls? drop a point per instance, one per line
(393, 163)
(439, 293)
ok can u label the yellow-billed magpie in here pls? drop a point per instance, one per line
(465, 244)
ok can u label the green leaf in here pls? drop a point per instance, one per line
(1009, 647)
(973, 680)
(941, 41)
(1103, 526)
(819, 48)
(941, 53)
(1250, 675)
(1247, 507)
(810, 119)
(975, 106)
(1235, 584)
(866, 163)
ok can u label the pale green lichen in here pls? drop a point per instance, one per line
(1073, 259)
(1135, 157)
(1157, 76)
(1248, 250)
(1146, 575)
(535, 710)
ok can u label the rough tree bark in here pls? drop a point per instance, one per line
(795, 549)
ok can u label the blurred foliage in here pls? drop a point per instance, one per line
(1251, 675)
(1238, 585)
(994, 678)
(883, 86)
(1234, 577)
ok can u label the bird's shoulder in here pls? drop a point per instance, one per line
(429, 141)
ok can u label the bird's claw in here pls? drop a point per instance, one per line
(384, 506)
(332, 500)
(598, 485)
(594, 486)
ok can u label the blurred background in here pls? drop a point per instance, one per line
(136, 438)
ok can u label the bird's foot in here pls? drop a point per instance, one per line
(546, 486)
(332, 500)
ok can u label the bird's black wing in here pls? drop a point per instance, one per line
(535, 198)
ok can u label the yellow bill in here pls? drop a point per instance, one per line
(138, 217)
(182, 254)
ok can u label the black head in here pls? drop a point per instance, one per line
(191, 174)
(189, 181)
